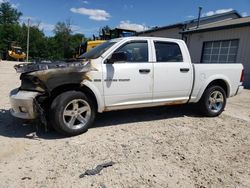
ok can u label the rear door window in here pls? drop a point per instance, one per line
(168, 52)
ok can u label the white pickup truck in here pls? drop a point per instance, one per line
(132, 72)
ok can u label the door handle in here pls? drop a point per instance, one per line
(184, 69)
(144, 71)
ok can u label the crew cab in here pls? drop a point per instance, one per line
(123, 73)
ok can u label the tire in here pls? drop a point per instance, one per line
(213, 101)
(72, 113)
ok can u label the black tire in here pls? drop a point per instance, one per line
(60, 106)
(204, 103)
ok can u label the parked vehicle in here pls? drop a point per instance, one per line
(106, 35)
(116, 33)
(123, 73)
(86, 46)
(16, 53)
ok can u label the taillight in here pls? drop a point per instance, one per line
(242, 76)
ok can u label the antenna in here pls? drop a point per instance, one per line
(199, 17)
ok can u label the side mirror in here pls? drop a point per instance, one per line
(117, 56)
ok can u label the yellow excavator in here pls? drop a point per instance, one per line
(104, 36)
(86, 46)
(16, 53)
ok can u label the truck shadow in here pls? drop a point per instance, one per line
(144, 114)
(13, 127)
(17, 128)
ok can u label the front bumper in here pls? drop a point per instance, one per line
(22, 104)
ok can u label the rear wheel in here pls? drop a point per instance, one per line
(213, 101)
(72, 113)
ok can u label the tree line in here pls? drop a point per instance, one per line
(60, 46)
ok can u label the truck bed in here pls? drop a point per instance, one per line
(205, 73)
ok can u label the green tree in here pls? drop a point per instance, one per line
(38, 42)
(8, 14)
(75, 41)
(61, 46)
(10, 34)
(64, 41)
(9, 28)
(62, 36)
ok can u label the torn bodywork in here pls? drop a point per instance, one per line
(44, 78)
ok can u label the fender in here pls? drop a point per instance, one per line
(98, 95)
(208, 81)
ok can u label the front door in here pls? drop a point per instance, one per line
(129, 82)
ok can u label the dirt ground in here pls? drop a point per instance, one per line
(154, 147)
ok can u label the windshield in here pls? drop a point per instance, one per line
(97, 51)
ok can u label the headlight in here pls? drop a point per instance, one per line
(31, 83)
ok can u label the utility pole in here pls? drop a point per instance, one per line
(28, 41)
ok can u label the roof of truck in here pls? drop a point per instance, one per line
(145, 38)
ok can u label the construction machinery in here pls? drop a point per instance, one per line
(86, 46)
(116, 33)
(16, 53)
(104, 35)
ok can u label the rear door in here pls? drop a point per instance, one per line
(172, 72)
(129, 82)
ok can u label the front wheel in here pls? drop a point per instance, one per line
(72, 113)
(213, 101)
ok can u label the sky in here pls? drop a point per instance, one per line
(87, 16)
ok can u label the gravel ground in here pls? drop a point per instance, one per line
(153, 147)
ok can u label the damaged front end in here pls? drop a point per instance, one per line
(44, 77)
(39, 80)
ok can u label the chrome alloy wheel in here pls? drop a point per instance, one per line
(216, 101)
(76, 114)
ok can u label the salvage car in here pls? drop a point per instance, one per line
(123, 73)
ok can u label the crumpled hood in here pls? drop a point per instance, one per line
(44, 77)
(40, 66)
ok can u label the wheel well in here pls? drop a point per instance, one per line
(221, 83)
(76, 87)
